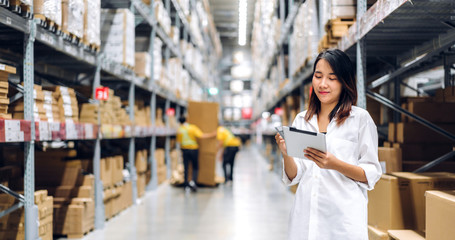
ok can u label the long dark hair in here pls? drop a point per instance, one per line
(344, 70)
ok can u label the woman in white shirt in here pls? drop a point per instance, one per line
(331, 199)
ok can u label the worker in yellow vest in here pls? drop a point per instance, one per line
(231, 146)
(188, 135)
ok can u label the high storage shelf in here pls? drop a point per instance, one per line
(44, 52)
(400, 38)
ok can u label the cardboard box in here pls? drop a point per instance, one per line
(161, 174)
(74, 192)
(432, 111)
(417, 133)
(207, 165)
(410, 166)
(391, 158)
(204, 115)
(384, 205)
(440, 215)
(143, 63)
(376, 234)
(412, 192)
(404, 235)
(159, 157)
(74, 219)
(117, 169)
(446, 95)
(106, 171)
(140, 183)
(423, 151)
(392, 133)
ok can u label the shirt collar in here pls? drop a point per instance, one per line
(314, 120)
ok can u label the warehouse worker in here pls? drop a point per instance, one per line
(187, 136)
(331, 198)
(230, 144)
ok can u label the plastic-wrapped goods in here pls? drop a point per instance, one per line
(92, 22)
(162, 16)
(117, 35)
(50, 9)
(73, 17)
(157, 58)
(343, 9)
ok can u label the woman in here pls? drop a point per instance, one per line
(331, 200)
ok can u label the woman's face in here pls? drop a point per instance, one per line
(326, 84)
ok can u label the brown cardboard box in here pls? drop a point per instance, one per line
(209, 145)
(142, 64)
(404, 235)
(161, 173)
(141, 184)
(446, 95)
(392, 133)
(207, 169)
(376, 234)
(204, 115)
(433, 112)
(440, 215)
(391, 157)
(73, 192)
(417, 133)
(159, 157)
(412, 192)
(423, 151)
(74, 219)
(384, 205)
(106, 171)
(117, 169)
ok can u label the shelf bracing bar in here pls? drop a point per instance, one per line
(99, 202)
(422, 121)
(167, 147)
(361, 58)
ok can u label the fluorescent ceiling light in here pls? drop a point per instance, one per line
(243, 7)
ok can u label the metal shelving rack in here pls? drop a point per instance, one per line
(97, 64)
(390, 41)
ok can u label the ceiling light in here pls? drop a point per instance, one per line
(243, 7)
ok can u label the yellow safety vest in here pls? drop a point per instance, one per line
(187, 136)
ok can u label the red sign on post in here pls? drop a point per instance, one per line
(170, 112)
(247, 113)
(102, 93)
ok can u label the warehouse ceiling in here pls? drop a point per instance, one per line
(226, 16)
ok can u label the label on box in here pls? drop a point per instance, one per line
(64, 90)
(12, 125)
(71, 132)
(89, 131)
(11, 136)
(54, 127)
(68, 110)
(66, 99)
(2, 67)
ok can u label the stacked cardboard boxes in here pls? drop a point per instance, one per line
(141, 114)
(51, 106)
(50, 10)
(141, 165)
(398, 201)
(89, 113)
(67, 105)
(12, 225)
(162, 16)
(420, 144)
(143, 62)
(39, 112)
(117, 36)
(111, 111)
(205, 116)
(111, 171)
(5, 71)
(161, 169)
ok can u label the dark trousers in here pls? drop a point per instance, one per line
(228, 159)
(190, 156)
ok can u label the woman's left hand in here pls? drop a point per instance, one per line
(323, 160)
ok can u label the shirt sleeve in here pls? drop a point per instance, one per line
(368, 159)
(197, 132)
(301, 167)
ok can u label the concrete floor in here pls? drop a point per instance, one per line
(255, 206)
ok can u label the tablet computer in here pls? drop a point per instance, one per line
(298, 140)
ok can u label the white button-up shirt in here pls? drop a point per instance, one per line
(328, 205)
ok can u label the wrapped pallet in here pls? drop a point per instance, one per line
(48, 10)
(5, 71)
(157, 56)
(92, 22)
(117, 36)
(73, 17)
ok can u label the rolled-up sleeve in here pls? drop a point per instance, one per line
(300, 170)
(368, 150)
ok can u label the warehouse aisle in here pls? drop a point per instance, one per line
(255, 206)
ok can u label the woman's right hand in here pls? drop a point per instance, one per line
(281, 144)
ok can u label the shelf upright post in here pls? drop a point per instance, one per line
(132, 148)
(31, 210)
(177, 116)
(361, 58)
(167, 146)
(153, 183)
(99, 204)
(447, 67)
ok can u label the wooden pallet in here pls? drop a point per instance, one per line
(48, 24)
(337, 28)
(20, 8)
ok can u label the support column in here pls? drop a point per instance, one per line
(167, 147)
(361, 58)
(153, 184)
(132, 147)
(31, 210)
